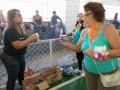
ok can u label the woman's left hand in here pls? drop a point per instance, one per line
(89, 52)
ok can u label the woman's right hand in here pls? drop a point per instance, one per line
(34, 37)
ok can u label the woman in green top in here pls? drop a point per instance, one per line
(79, 55)
(101, 35)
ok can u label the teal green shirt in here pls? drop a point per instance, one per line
(76, 37)
(104, 66)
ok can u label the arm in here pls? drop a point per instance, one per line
(13, 37)
(59, 18)
(77, 47)
(52, 20)
(21, 44)
(114, 41)
(41, 22)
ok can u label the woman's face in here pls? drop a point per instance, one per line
(80, 18)
(88, 18)
(37, 12)
(17, 18)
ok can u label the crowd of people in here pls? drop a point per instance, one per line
(91, 31)
(56, 25)
(39, 26)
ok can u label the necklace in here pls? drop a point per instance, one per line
(91, 32)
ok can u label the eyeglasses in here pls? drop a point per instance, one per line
(87, 14)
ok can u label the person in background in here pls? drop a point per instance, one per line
(2, 21)
(79, 22)
(2, 26)
(39, 24)
(15, 45)
(115, 22)
(57, 25)
(79, 26)
(97, 34)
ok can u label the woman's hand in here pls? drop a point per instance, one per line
(34, 37)
(89, 52)
(64, 42)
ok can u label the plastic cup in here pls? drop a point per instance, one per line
(37, 36)
(64, 37)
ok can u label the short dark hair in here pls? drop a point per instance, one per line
(54, 12)
(97, 9)
(116, 16)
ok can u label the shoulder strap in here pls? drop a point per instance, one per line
(103, 29)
